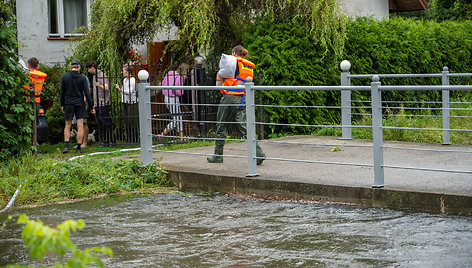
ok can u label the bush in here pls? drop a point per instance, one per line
(285, 55)
(17, 114)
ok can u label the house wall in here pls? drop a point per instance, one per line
(379, 9)
(32, 25)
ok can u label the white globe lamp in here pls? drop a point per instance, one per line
(143, 75)
(345, 65)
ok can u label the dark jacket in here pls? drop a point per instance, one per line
(74, 87)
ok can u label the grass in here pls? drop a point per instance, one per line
(403, 120)
(50, 177)
(46, 181)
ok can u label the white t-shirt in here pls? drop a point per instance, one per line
(128, 95)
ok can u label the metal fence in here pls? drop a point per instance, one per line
(148, 136)
(444, 108)
(118, 120)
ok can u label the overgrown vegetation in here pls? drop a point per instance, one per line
(203, 25)
(285, 55)
(441, 10)
(16, 113)
(44, 180)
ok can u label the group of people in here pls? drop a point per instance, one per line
(75, 86)
(75, 95)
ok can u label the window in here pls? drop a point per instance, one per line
(66, 15)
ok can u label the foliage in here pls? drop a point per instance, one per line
(45, 181)
(17, 114)
(202, 25)
(50, 101)
(42, 239)
(408, 46)
(285, 55)
(441, 10)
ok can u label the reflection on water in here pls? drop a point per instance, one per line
(176, 230)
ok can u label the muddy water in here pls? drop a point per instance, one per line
(217, 231)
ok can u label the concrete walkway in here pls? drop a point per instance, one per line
(341, 177)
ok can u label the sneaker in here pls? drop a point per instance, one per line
(66, 150)
(78, 150)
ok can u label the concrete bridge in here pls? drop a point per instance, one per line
(374, 173)
(325, 179)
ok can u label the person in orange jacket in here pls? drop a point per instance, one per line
(232, 105)
(37, 79)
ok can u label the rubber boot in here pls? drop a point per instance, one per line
(259, 153)
(218, 157)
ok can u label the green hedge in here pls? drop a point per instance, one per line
(285, 55)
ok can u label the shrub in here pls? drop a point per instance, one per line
(285, 55)
(17, 114)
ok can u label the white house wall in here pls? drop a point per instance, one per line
(32, 25)
(379, 9)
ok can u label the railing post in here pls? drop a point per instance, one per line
(346, 100)
(251, 130)
(145, 127)
(445, 108)
(377, 135)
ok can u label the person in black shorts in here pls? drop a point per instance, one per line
(74, 88)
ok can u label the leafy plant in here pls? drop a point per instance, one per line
(41, 239)
(17, 114)
(285, 55)
(203, 25)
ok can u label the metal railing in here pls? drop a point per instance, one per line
(375, 89)
(346, 101)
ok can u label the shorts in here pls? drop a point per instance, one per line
(78, 110)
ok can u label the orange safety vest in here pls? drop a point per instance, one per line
(245, 68)
(37, 78)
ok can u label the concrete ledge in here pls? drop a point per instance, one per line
(275, 189)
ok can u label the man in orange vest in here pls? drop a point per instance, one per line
(232, 105)
(37, 79)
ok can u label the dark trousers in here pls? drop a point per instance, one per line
(104, 124)
(130, 117)
(235, 113)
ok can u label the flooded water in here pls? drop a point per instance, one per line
(170, 230)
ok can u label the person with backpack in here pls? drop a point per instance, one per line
(172, 101)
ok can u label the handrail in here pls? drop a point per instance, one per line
(377, 127)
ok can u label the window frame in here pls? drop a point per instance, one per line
(62, 35)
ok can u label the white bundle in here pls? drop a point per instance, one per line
(228, 65)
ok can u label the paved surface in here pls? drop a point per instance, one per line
(319, 149)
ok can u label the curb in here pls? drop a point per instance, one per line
(278, 190)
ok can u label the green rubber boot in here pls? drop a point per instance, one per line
(259, 153)
(218, 157)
